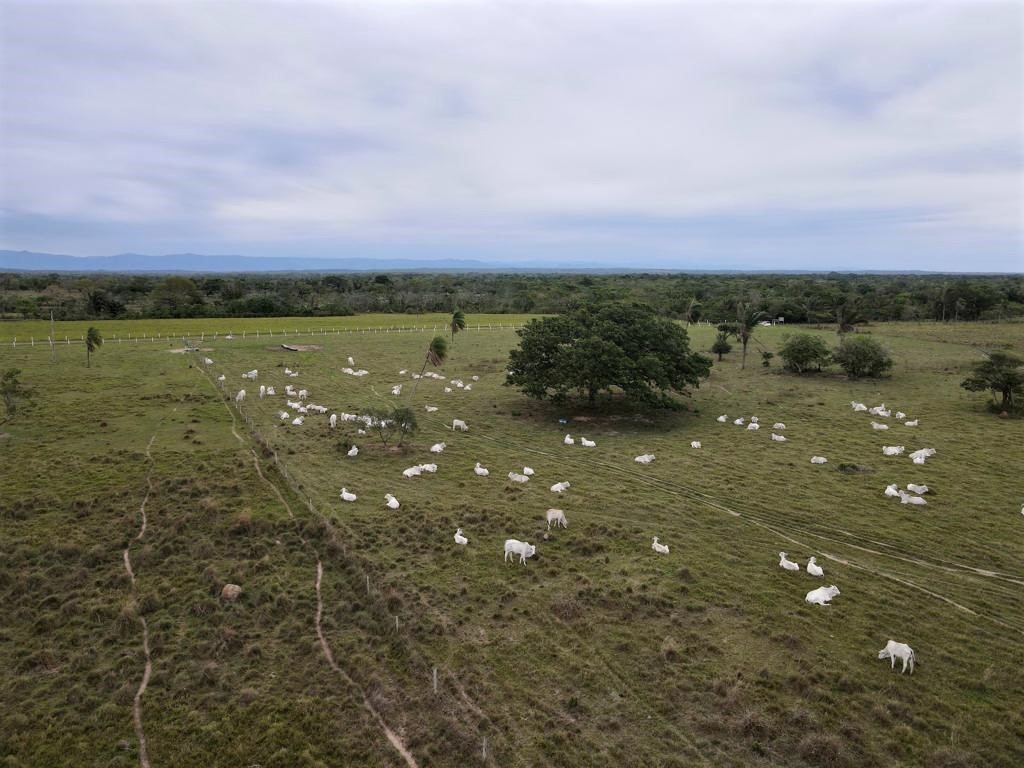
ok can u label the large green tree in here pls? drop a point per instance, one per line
(595, 348)
(1001, 372)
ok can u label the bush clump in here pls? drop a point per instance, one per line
(862, 357)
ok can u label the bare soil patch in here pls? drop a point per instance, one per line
(298, 347)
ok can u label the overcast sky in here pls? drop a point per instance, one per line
(861, 135)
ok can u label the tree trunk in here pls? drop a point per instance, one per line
(743, 362)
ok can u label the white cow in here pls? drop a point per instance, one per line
(822, 595)
(522, 548)
(902, 651)
(645, 458)
(240, 396)
(438, 448)
(333, 421)
(559, 487)
(557, 517)
(460, 425)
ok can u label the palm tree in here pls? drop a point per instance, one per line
(436, 354)
(848, 316)
(93, 341)
(747, 320)
(693, 308)
(458, 323)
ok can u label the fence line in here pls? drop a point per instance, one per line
(208, 336)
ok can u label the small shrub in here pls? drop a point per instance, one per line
(804, 352)
(862, 357)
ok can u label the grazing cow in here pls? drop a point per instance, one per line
(902, 651)
(557, 517)
(522, 548)
(460, 425)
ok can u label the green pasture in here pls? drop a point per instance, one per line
(597, 652)
(25, 331)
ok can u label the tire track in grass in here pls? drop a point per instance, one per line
(392, 737)
(693, 495)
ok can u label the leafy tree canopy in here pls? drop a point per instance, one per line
(391, 423)
(594, 348)
(1001, 372)
(803, 352)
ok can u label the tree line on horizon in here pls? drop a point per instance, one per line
(844, 299)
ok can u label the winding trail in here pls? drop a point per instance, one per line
(396, 742)
(140, 733)
(137, 702)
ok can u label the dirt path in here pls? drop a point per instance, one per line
(396, 742)
(140, 734)
(128, 567)
(259, 471)
(137, 702)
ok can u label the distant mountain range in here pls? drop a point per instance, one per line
(24, 261)
(189, 263)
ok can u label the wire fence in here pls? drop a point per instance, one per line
(205, 337)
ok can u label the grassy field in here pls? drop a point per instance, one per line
(24, 331)
(598, 652)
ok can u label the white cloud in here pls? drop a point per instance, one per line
(470, 122)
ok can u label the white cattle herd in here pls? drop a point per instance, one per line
(912, 495)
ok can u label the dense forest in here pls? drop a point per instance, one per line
(815, 298)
